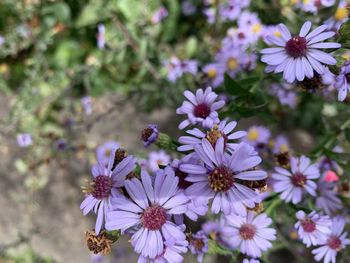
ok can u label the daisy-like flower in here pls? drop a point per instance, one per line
(101, 39)
(298, 56)
(222, 176)
(313, 228)
(176, 68)
(200, 108)
(327, 198)
(210, 14)
(158, 158)
(150, 134)
(252, 260)
(188, 8)
(231, 60)
(105, 186)
(336, 241)
(105, 150)
(280, 145)
(215, 74)
(343, 82)
(250, 234)
(258, 137)
(24, 140)
(171, 253)
(223, 129)
(340, 17)
(214, 230)
(151, 204)
(230, 11)
(199, 245)
(296, 182)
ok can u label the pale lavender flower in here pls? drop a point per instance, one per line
(2, 40)
(176, 68)
(215, 74)
(281, 144)
(188, 8)
(248, 19)
(313, 229)
(215, 230)
(210, 13)
(237, 37)
(230, 11)
(105, 186)
(218, 178)
(24, 140)
(340, 17)
(258, 136)
(150, 134)
(159, 15)
(327, 198)
(295, 183)
(252, 260)
(87, 104)
(157, 158)
(97, 258)
(336, 241)
(152, 202)
(200, 108)
(231, 60)
(199, 245)
(285, 94)
(101, 38)
(272, 30)
(298, 56)
(223, 129)
(250, 234)
(104, 151)
(343, 81)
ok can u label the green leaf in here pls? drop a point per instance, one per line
(338, 157)
(233, 87)
(216, 249)
(347, 134)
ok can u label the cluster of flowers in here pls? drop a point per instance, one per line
(297, 56)
(221, 173)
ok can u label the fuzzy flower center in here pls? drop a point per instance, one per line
(341, 13)
(232, 64)
(334, 243)
(119, 156)
(198, 244)
(214, 134)
(154, 217)
(308, 225)
(277, 33)
(102, 186)
(253, 135)
(247, 231)
(296, 46)
(299, 180)
(220, 179)
(201, 110)
(183, 184)
(241, 35)
(211, 73)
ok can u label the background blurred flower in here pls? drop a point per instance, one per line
(24, 139)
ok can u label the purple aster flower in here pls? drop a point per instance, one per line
(105, 186)
(97, 258)
(176, 68)
(171, 253)
(250, 234)
(199, 245)
(343, 81)
(152, 202)
(188, 8)
(285, 94)
(159, 15)
(252, 260)
(272, 30)
(200, 108)
(221, 176)
(210, 13)
(281, 145)
(2, 40)
(24, 140)
(215, 74)
(247, 19)
(223, 129)
(150, 134)
(231, 60)
(258, 137)
(293, 184)
(230, 11)
(214, 230)
(327, 198)
(104, 151)
(298, 56)
(87, 104)
(101, 40)
(336, 241)
(340, 16)
(237, 37)
(312, 228)
(157, 158)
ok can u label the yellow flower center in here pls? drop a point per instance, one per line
(346, 56)
(277, 33)
(108, 152)
(3, 68)
(211, 73)
(232, 63)
(341, 13)
(294, 2)
(256, 28)
(253, 135)
(305, 2)
(284, 148)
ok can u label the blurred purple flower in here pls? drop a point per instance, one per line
(201, 108)
(24, 140)
(281, 145)
(297, 57)
(104, 151)
(230, 11)
(199, 245)
(293, 184)
(150, 134)
(250, 234)
(188, 8)
(176, 68)
(101, 40)
(313, 229)
(258, 137)
(152, 202)
(215, 74)
(2, 40)
(87, 104)
(159, 15)
(343, 81)
(158, 158)
(210, 13)
(327, 198)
